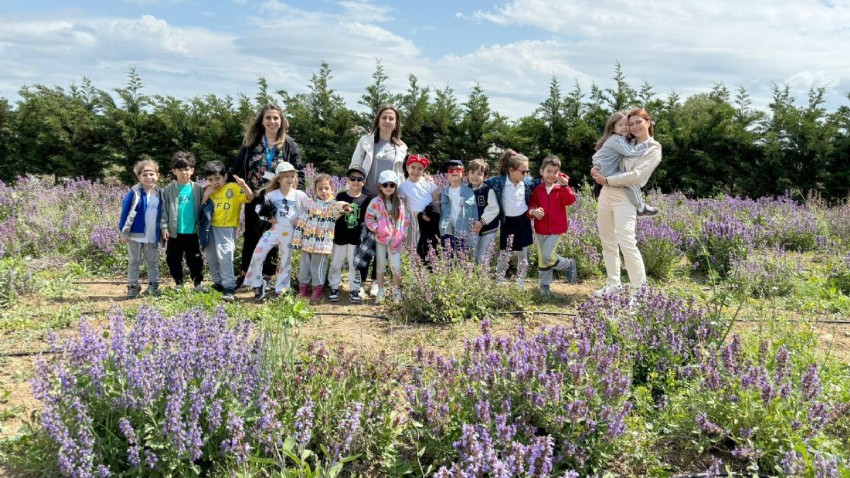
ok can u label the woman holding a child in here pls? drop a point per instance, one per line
(616, 215)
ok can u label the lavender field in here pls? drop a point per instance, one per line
(734, 360)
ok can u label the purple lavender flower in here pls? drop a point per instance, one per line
(304, 423)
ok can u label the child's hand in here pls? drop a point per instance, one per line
(476, 227)
(240, 182)
(563, 179)
(346, 207)
(124, 240)
(165, 234)
(538, 213)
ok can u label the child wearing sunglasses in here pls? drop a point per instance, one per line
(513, 190)
(387, 218)
(420, 194)
(347, 233)
(458, 211)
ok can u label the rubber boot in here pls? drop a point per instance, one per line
(304, 290)
(318, 291)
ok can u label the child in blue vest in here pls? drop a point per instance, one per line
(141, 213)
(484, 229)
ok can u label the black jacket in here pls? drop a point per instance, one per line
(290, 154)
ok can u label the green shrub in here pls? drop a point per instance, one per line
(659, 246)
(765, 275)
(454, 289)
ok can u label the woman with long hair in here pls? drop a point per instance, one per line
(616, 215)
(264, 146)
(381, 149)
(377, 151)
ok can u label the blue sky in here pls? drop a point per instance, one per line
(512, 48)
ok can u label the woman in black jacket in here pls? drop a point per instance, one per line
(265, 145)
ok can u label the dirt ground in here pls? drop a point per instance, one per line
(361, 327)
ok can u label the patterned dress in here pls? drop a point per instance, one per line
(314, 230)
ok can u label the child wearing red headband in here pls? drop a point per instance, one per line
(420, 194)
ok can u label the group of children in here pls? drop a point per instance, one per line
(351, 227)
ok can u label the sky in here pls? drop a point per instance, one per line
(511, 48)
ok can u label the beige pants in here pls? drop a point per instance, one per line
(616, 217)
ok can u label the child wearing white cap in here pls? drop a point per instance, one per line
(386, 217)
(283, 204)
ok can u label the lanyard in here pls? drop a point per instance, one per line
(270, 153)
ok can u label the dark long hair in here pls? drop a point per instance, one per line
(256, 130)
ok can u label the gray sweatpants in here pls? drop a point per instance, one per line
(220, 250)
(313, 268)
(548, 261)
(138, 251)
(482, 245)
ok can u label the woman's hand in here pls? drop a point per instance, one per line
(598, 177)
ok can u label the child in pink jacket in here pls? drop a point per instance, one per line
(386, 217)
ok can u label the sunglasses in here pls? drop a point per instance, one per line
(456, 169)
(356, 179)
(388, 185)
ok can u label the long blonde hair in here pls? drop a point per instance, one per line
(256, 130)
(275, 182)
(609, 128)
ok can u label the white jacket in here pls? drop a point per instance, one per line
(638, 169)
(365, 151)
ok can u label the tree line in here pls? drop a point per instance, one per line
(714, 142)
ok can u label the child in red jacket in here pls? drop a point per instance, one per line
(548, 207)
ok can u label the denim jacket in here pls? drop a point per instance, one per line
(498, 185)
(205, 223)
(468, 212)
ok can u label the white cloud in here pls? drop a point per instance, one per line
(367, 11)
(684, 46)
(690, 45)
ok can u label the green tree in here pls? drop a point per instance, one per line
(61, 132)
(415, 105)
(377, 94)
(474, 139)
(838, 164)
(128, 124)
(442, 125)
(10, 164)
(622, 97)
(324, 128)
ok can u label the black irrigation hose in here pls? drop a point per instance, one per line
(721, 473)
(27, 354)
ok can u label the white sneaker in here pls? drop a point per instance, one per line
(607, 290)
(396, 295)
(379, 295)
(373, 291)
